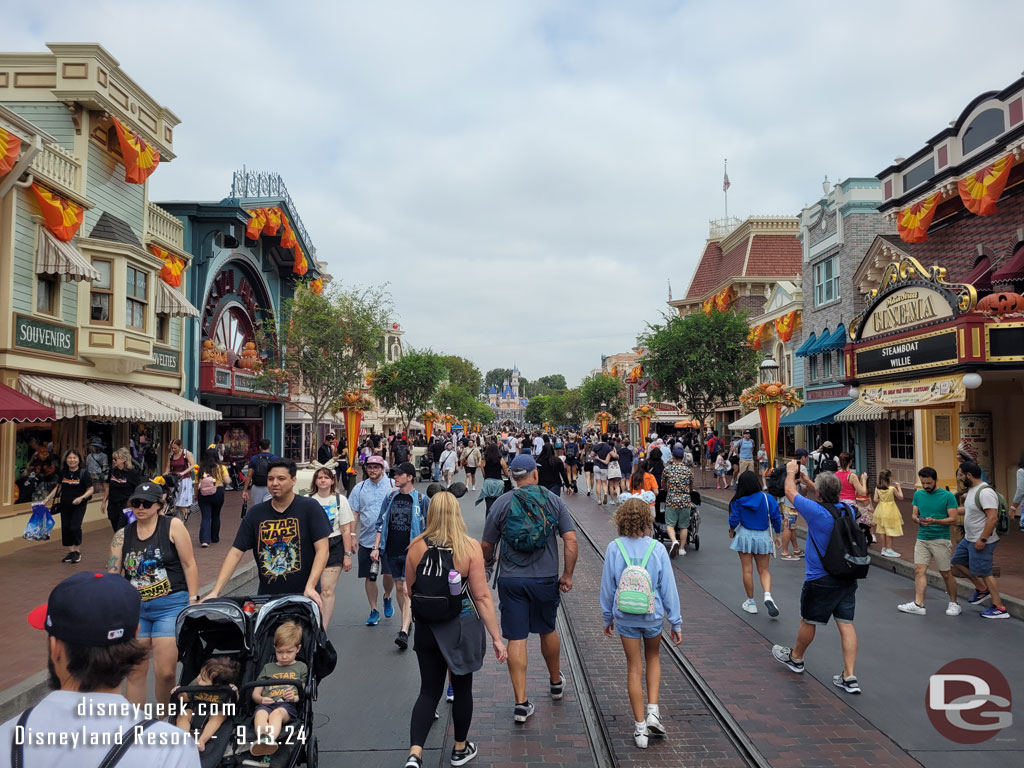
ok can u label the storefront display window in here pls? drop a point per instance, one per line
(901, 439)
(46, 294)
(35, 463)
(146, 443)
(293, 442)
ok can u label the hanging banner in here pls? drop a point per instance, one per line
(172, 269)
(912, 222)
(976, 431)
(288, 239)
(786, 325)
(273, 216)
(353, 416)
(916, 393)
(140, 157)
(708, 305)
(257, 220)
(317, 287)
(301, 265)
(724, 299)
(980, 191)
(770, 413)
(62, 217)
(10, 149)
(756, 335)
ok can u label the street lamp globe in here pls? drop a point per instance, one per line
(604, 406)
(642, 398)
(769, 370)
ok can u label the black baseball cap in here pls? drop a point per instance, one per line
(800, 453)
(93, 609)
(405, 468)
(147, 491)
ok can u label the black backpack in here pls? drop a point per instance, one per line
(261, 470)
(846, 556)
(571, 448)
(776, 482)
(431, 600)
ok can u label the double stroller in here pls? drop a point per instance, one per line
(224, 628)
(693, 530)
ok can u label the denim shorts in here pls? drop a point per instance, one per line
(287, 706)
(978, 563)
(158, 616)
(394, 565)
(527, 606)
(635, 633)
(826, 598)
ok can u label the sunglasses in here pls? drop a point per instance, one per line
(140, 504)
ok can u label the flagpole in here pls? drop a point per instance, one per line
(725, 188)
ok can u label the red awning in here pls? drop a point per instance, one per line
(15, 406)
(1012, 270)
(981, 275)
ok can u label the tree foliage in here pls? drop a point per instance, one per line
(598, 389)
(496, 377)
(566, 408)
(451, 398)
(700, 361)
(462, 373)
(408, 384)
(536, 409)
(327, 341)
(546, 385)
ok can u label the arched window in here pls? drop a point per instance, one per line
(985, 127)
(232, 329)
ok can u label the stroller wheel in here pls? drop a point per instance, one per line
(696, 541)
(312, 752)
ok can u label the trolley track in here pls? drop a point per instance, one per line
(743, 745)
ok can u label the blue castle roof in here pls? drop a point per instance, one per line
(494, 390)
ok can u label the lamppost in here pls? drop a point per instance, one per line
(643, 416)
(770, 412)
(604, 417)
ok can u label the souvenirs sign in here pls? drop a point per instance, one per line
(907, 354)
(41, 336)
(915, 393)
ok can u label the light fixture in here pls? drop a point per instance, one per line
(854, 392)
(826, 186)
(972, 380)
(642, 398)
(604, 405)
(769, 370)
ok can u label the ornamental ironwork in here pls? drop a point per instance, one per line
(254, 185)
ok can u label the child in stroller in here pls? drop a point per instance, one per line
(209, 705)
(276, 704)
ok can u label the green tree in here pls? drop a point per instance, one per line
(600, 388)
(566, 408)
(455, 400)
(700, 361)
(545, 385)
(408, 384)
(536, 409)
(462, 373)
(496, 377)
(326, 342)
(481, 412)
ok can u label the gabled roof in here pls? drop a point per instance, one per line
(705, 277)
(109, 227)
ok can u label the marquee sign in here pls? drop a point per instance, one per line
(906, 308)
(907, 354)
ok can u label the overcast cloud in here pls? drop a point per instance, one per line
(528, 174)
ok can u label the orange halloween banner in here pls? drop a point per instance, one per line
(172, 269)
(62, 217)
(724, 298)
(273, 220)
(140, 157)
(288, 239)
(301, 265)
(708, 305)
(10, 149)
(980, 191)
(757, 334)
(786, 325)
(257, 220)
(912, 222)
(317, 287)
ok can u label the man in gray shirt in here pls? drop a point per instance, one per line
(529, 584)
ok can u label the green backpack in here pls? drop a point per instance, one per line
(635, 593)
(1003, 515)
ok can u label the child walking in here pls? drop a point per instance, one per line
(888, 520)
(722, 471)
(636, 603)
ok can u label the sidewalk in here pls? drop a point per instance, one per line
(28, 575)
(1009, 554)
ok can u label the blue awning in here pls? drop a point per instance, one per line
(836, 341)
(809, 342)
(819, 412)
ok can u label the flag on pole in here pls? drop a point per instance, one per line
(725, 182)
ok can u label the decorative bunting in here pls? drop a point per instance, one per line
(173, 266)
(288, 239)
(912, 222)
(10, 149)
(317, 287)
(786, 325)
(140, 157)
(708, 305)
(257, 220)
(980, 191)
(757, 334)
(62, 217)
(301, 265)
(273, 220)
(725, 298)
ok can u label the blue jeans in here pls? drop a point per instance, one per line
(437, 471)
(210, 506)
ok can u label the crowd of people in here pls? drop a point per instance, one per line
(415, 544)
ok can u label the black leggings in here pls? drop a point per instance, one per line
(433, 671)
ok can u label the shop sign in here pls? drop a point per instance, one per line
(915, 393)
(167, 360)
(976, 431)
(829, 393)
(908, 354)
(906, 308)
(41, 336)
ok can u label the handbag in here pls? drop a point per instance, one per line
(39, 524)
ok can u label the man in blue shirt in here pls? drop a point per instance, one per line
(823, 596)
(747, 454)
(366, 499)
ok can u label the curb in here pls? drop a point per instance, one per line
(1014, 605)
(30, 691)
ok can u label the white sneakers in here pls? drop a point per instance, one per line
(650, 727)
(953, 609)
(886, 552)
(640, 736)
(749, 605)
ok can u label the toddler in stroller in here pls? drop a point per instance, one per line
(204, 712)
(276, 703)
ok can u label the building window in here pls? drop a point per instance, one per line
(163, 329)
(826, 365)
(985, 127)
(293, 442)
(918, 175)
(47, 291)
(813, 368)
(901, 439)
(101, 293)
(135, 308)
(842, 365)
(826, 281)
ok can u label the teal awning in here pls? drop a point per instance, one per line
(836, 341)
(809, 342)
(819, 412)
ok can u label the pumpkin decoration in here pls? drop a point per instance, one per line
(209, 353)
(249, 359)
(1002, 303)
(771, 390)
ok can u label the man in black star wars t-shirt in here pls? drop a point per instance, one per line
(288, 537)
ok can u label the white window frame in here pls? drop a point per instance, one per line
(826, 290)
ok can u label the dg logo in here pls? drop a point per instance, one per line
(968, 701)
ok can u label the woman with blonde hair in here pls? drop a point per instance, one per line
(124, 478)
(324, 489)
(456, 645)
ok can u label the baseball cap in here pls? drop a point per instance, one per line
(147, 491)
(678, 451)
(405, 468)
(801, 452)
(93, 609)
(377, 460)
(523, 464)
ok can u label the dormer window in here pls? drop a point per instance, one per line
(918, 175)
(983, 129)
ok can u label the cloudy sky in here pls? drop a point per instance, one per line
(528, 174)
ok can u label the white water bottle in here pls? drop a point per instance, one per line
(454, 582)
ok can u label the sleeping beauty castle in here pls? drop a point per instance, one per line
(508, 406)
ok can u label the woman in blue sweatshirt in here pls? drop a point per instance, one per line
(641, 633)
(753, 515)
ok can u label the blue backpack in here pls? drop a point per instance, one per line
(530, 521)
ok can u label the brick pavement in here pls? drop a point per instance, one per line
(28, 574)
(794, 722)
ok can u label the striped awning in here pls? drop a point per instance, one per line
(171, 302)
(54, 257)
(860, 411)
(70, 398)
(189, 410)
(751, 421)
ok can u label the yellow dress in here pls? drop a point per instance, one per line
(888, 519)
